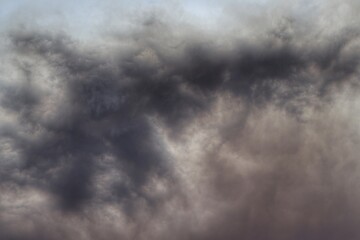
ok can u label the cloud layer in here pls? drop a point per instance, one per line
(162, 127)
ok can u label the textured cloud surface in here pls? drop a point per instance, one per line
(162, 124)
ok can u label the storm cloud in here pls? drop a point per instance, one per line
(160, 125)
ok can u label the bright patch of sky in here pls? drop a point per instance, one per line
(85, 18)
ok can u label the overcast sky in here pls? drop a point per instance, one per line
(182, 120)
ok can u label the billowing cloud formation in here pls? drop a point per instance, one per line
(246, 129)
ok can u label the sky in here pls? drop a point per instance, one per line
(182, 120)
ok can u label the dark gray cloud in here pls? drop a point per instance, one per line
(173, 131)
